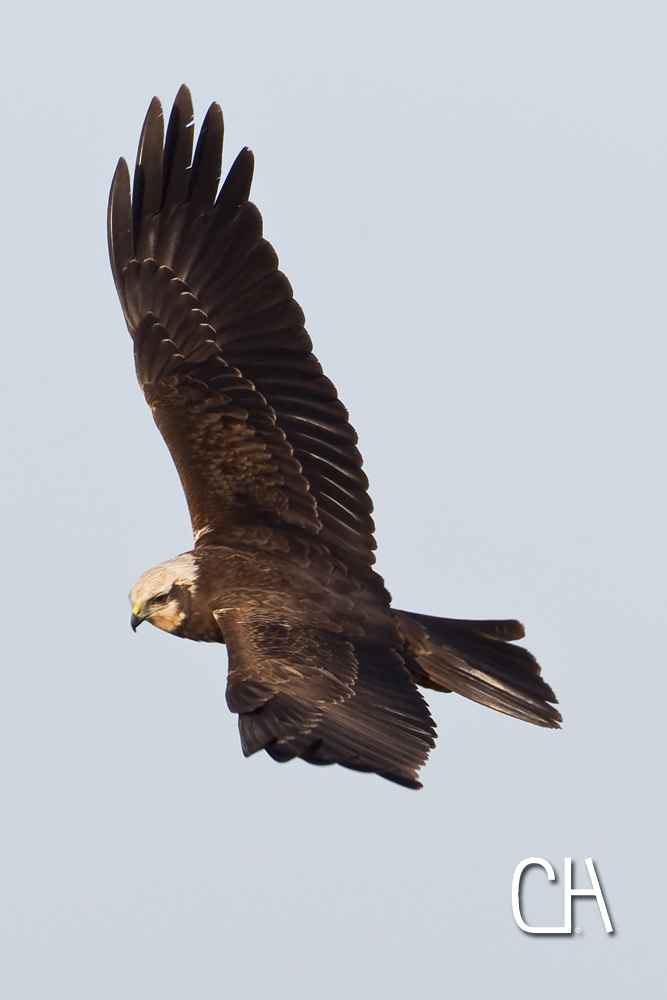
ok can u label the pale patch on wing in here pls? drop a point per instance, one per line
(203, 531)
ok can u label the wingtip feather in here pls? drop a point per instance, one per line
(119, 220)
(183, 95)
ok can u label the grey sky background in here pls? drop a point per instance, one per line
(469, 200)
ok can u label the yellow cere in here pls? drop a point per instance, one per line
(136, 609)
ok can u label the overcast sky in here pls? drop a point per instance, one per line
(469, 200)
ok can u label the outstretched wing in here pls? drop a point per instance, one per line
(193, 268)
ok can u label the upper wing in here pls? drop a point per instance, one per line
(235, 465)
(187, 258)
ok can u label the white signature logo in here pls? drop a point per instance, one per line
(569, 892)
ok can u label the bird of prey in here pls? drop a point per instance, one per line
(321, 666)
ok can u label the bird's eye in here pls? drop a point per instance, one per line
(160, 599)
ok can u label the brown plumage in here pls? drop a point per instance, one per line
(320, 666)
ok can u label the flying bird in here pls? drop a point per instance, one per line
(321, 666)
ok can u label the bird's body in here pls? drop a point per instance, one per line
(320, 666)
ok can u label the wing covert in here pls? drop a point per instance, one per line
(235, 465)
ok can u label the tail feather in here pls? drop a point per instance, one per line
(474, 659)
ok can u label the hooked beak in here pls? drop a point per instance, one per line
(136, 619)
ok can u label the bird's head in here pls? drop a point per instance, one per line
(162, 595)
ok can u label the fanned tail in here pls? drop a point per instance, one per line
(474, 659)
